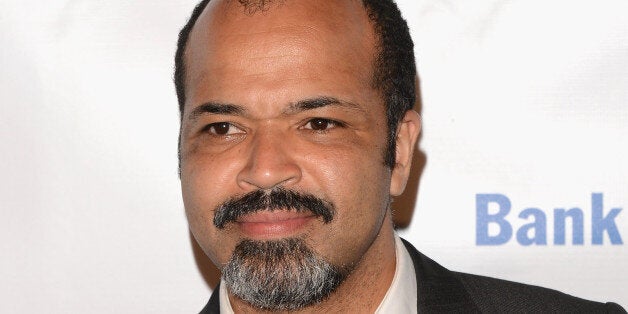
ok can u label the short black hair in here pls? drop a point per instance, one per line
(394, 68)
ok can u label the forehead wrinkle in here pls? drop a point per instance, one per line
(288, 44)
(282, 29)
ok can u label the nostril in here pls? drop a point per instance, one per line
(269, 174)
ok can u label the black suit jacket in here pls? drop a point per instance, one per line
(442, 291)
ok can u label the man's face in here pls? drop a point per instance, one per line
(282, 99)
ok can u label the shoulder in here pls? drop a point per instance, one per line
(440, 288)
(496, 295)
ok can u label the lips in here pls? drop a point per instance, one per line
(273, 224)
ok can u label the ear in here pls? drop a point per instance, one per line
(407, 136)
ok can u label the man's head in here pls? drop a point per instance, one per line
(286, 110)
(394, 68)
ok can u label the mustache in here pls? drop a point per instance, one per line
(276, 199)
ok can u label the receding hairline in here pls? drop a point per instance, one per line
(374, 40)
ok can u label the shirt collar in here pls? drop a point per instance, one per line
(401, 296)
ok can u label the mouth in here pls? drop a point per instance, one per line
(273, 224)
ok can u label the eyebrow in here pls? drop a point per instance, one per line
(215, 108)
(318, 102)
(300, 106)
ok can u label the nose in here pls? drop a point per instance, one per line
(270, 163)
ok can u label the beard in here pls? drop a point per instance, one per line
(280, 274)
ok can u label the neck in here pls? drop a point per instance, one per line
(363, 290)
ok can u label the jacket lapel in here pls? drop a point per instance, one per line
(213, 306)
(438, 290)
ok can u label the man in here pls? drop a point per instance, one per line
(297, 130)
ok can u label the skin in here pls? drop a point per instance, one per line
(264, 65)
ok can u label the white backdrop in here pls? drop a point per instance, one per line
(524, 98)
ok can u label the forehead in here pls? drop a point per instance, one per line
(292, 42)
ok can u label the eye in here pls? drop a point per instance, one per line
(321, 124)
(222, 128)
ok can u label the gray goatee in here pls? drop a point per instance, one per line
(280, 274)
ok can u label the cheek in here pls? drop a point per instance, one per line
(355, 165)
(207, 180)
(205, 184)
(351, 172)
(357, 182)
(361, 207)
